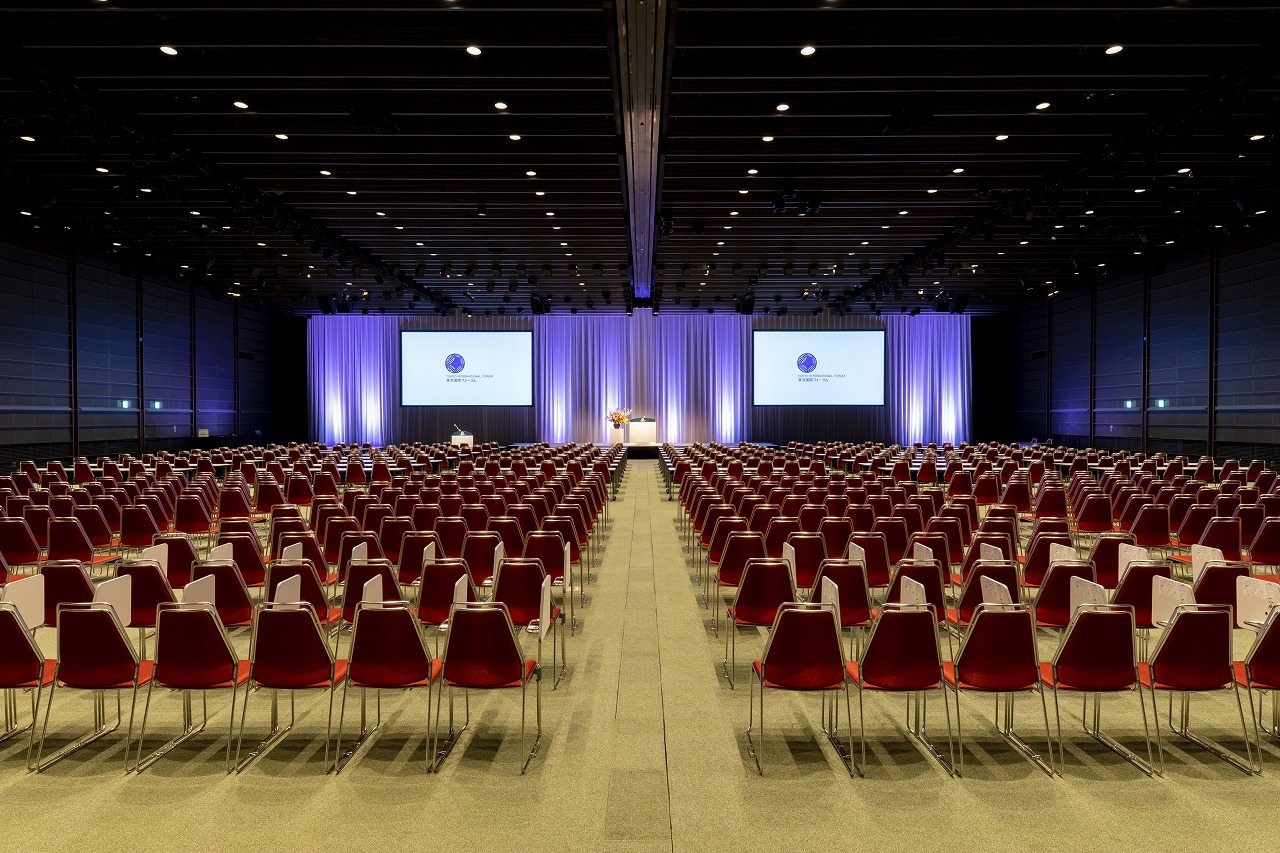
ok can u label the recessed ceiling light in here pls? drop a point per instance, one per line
(766, 138)
(539, 192)
(733, 213)
(168, 51)
(1002, 137)
(1114, 49)
(351, 192)
(1023, 242)
(715, 254)
(515, 137)
(1057, 226)
(262, 244)
(115, 244)
(531, 173)
(957, 171)
(1184, 170)
(1102, 265)
(866, 243)
(1043, 105)
(240, 105)
(884, 227)
(742, 192)
(555, 227)
(752, 171)
(500, 105)
(931, 192)
(1168, 242)
(1258, 212)
(27, 138)
(379, 213)
(282, 136)
(144, 189)
(195, 213)
(399, 227)
(102, 170)
(728, 227)
(782, 108)
(719, 242)
(999, 253)
(550, 213)
(473, 50)
(1257, 137)
(564, 244)
(903, 212)
(1088, 212)
(1140, 190)
(25, 212)
(184, 266)
(808, 50)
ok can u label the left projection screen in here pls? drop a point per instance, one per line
(466, 368)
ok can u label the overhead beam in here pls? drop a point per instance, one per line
(641, 48)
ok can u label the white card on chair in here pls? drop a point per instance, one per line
(1127, 554)
(461, 590)
(360, 553)
(911, 592)
(994, 592)
(1254, 600)
(1201, 555)
(922, 552)
(1086, 592)
(222, 552)
(27, 595)
(1059, 553)
(292, 552)
(855, 554)
(158, 554)
(567, 566)
(289, 590)
(428, 555)
(199, 592)
(118, 592)
(990, 553)
(789, 557)
(1167, 594)
(371, 592)
(831, 595)
(499, 554)
(544, 609)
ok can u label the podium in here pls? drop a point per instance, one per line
(643, 431)
(462, 439)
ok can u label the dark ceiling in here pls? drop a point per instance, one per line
(886, 184)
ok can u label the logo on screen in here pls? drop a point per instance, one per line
(806, 362)
(454, 363)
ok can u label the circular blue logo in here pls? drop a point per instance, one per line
(806, 362)
(454, 363)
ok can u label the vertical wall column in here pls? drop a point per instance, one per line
(1146, 356)
(73, 338)
(1214, 311)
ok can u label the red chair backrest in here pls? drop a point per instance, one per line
(1097, 650)
(804, 651)
(192, 651)
(387, 649)
(289, 648)
(764, 587)
(93, 651)
(902, 652)
(1194, 652)
(999, 649)
(481, 650)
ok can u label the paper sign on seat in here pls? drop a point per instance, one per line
(831, 595)
(1127, 554)
(1254, 600)
(922, 552)
(27, 595)
(222, 552)
(855, 554)
(1200, 555)
(289, 590)
(1059, 553)
(994, 592)
(292, 552)
(990, 553)
(158, 554)
(118, 592)
(912, 592)
(789, 557)
(1166, 595)
(199, 592)
(544, 609)
(1086, 592)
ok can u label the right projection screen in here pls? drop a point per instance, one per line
(818, 368)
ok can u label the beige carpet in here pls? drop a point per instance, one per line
(643, 749)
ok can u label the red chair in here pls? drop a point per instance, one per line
(1194, 655)
(1036, 561)
(452, 531)
(1220, 533)
(138, 528)
(1260, 670)
(763, 588)
(65, 582)
(192, 653)
(777, 533)
(22, 667)
(1053, 598)
(550, 548)
(518, 585)
(902, 655)
(310, 587)
(1094, 515)
(835, 531)
(803, 653)
(739, 547)
(998, 656)
(1217, 584)
(387, 653)
(18, 544)
(230, 595)
(850, 579)
(149, 588)
(482, 652)
(482, 551)
(93, 654)
(808, 550)
(927, 573)
(289, 652)
(970, 595)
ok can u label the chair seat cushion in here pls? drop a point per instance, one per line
(339, 673)
(529, 666)
(436, 666)
(1145, 678)
(949, 673)
(240, 677)
(1047, 679)
(755, 668)
(145, 669)
(1242, 678)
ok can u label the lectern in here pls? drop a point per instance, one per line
(643, 431)
(461, 437)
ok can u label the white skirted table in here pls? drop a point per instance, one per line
(643, 431)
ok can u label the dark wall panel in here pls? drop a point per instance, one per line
(255, 374)
(1118, 367)
(1178, 385)
(107, 329)
(215, 366)
(1030, 371)
(166, 348)
(35, 355)
(1069, 379)
(1248, 413)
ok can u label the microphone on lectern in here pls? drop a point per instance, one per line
(458, 428)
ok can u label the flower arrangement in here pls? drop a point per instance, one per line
(618, 417)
